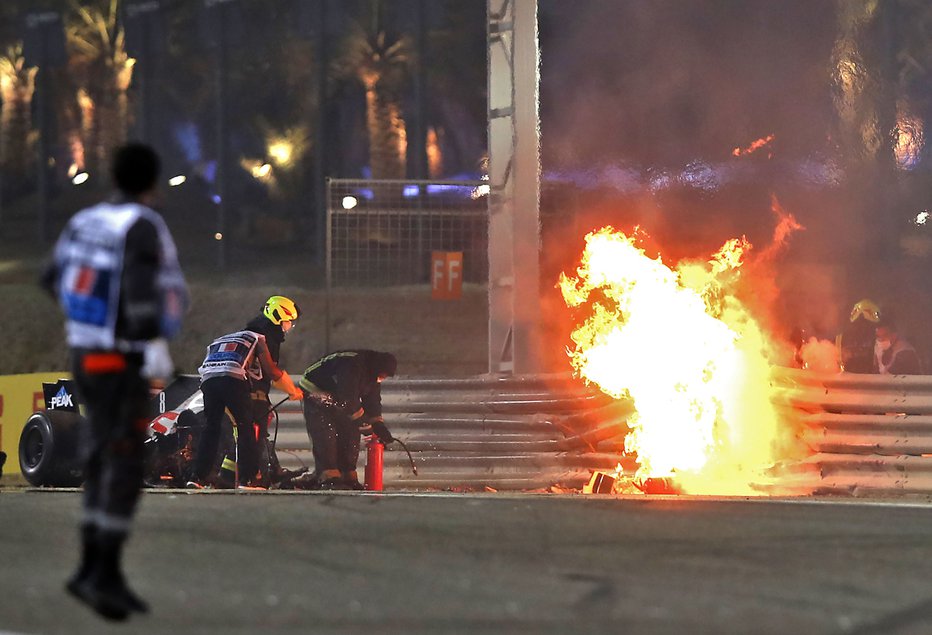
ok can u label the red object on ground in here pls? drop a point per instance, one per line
(374, 455)
(658, 486)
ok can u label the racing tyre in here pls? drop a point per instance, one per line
(48, 449)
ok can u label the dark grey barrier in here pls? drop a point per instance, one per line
(487, 432)
(870, 435)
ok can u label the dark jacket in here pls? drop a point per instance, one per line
(856, 342)
(349, 381)
(900, 359)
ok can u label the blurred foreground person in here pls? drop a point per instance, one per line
(276, 319)
(893, 355)
(856, 341)
(233, 362)
(116, 275)
(342, 400)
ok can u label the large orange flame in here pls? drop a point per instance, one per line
(681, 345)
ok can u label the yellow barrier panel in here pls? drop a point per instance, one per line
(20, 396)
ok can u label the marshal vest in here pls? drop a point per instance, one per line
(89, 259)
(232, 355)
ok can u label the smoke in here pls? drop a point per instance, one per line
(645, 102)
(661, 84)
(819, 355)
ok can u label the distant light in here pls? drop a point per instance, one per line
(216, 199)
(410, 191)
(481, 190)
(218, 236)
(80, 177)
(281, 152)
(177, 180)
(349, 202)
(440, 188)
(72, 170)
(922, 217)
(261, 171)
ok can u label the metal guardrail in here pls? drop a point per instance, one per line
(871, 435)
(867, 435)
(487, 432)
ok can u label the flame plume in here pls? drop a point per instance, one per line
(686, 350)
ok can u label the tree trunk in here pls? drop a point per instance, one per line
(16, 89)
(110, 123)
(387, 134)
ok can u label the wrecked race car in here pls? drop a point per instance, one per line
(49, 446)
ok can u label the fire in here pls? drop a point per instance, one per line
(686, 350)
(756, 145)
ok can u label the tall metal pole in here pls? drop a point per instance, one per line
(141, 31)
(44, 48)
(328, 257)
(220, 79)
(514, 179)
(42, 147)
(145, 91)
(320, 138)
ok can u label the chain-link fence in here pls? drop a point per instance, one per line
(380, 239)
(382, 233)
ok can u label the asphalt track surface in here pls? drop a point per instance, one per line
(455, 563)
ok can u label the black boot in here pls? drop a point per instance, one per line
(304, 481)
(352, 480)
(110, 545)
(348, 446)
(104, 588)
(88, 558)
(332, 480)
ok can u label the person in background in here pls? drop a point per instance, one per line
(342, 398)
(115, 273)
(893, 355)
(856, 341)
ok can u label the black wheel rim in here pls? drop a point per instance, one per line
(33, 448)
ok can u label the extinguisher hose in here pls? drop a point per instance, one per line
(275, 410)
(410, 458)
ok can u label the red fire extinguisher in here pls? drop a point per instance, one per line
(374, 455)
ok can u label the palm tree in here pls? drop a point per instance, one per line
(98, 59)
(17, 84)
(379, 60)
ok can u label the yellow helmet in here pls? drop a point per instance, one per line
(280, 309)
(866, 308)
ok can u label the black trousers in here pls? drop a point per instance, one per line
(115, 397)
(230, 396)
(268, 459)
(334, 437)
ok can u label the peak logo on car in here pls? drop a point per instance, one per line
(60, 395)
(62, 399)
